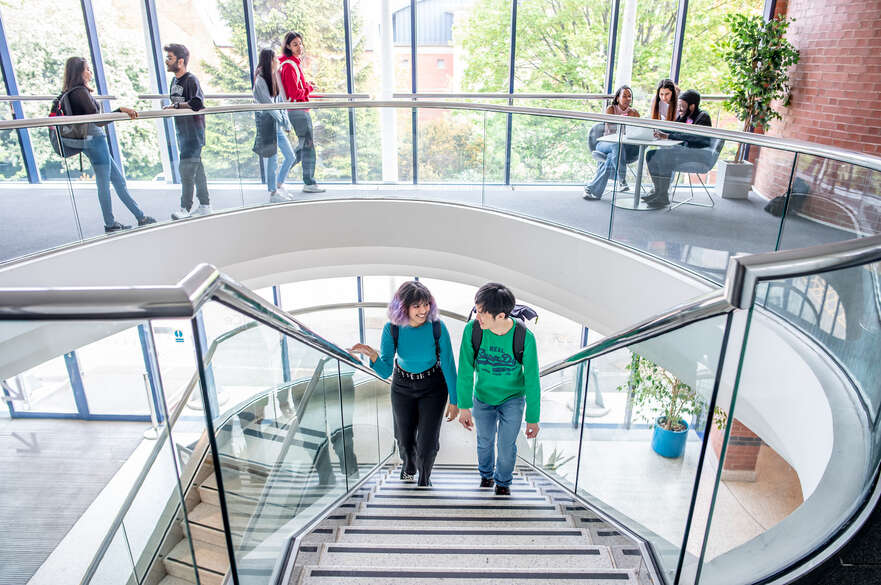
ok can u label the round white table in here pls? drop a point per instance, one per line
(623, 199)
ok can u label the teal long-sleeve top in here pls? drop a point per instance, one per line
(416, 353)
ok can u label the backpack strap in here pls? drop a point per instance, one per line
(476, 337)
(394, 330)
(436, 331)
(519, 340)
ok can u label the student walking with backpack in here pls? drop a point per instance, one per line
(295, 88)
(498, 365)
(77, 100)
(423, 376)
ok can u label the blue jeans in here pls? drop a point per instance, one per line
(106, 170)
(302, 123)
(273, 181)
(609, 166)
(504, 420)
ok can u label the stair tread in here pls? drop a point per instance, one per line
(206, 515)
(208, 556)
(468, 556)
(515, 535)
(367, 575)
(172, 580)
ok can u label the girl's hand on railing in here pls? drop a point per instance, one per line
(364, 349)
(131, 113)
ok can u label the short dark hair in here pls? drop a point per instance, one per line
(287, 41)
(691, 97)
(495, 298)
(179, 52)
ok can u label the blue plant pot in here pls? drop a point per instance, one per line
(670, 444)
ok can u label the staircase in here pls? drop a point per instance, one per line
(395, 532)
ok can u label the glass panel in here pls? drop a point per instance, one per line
(67, 474)
(116, 565)
(38, 71)
(44, 388)
(382, 288)
(550, 160)
(11, 162)
(282, 452)
(177, 359)
(562, 47)
(359, 395)
(156, 505)
(126, 50)
(644, 47)
(830, 202)
(556, 448)
(451, 148)
(322, 291)
(798, 458)
(695, 186)
(637, 472)
(114, 376)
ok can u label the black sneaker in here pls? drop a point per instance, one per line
(486, 482)
(407, 476)
(658, 202)
(146, 220)
(503, 490)
(424, 483)
(115, 227)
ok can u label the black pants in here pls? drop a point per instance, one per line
(192, 171)
(418, 407)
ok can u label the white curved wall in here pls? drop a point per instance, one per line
(583, 278)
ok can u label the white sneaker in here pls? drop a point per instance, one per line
(277, 197)
(314, 188)
(284, 193)
(181, 214)
(201, 210)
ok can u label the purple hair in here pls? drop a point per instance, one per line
(407, 295)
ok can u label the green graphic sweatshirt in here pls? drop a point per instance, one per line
(498, 375)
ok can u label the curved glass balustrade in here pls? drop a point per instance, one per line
(795, 194)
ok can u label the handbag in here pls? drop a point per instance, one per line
(265, 140)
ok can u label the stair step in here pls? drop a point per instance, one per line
(469, 557)
(469, 490)
(211, 561)
(498, 508)
(426, 495)
(446, 518)
(469, 481)
(512, 536)
(445, 575)
(605, 534)
(172, 580)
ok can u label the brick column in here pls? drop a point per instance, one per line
(835, 101)
(742, 452)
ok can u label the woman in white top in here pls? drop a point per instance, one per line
(272, 126)
(620, 106)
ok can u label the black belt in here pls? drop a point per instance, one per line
(432, 371)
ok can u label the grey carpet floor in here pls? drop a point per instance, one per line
(50, 472)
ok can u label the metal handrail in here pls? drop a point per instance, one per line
(762, 140)
(366, 305)
(744, 274)
(45, 98)
(250, 96)
(526, 96)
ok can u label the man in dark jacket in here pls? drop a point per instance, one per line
(663, 161)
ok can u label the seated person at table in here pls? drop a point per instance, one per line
(663, 103)
(620, 106)
(663, 162)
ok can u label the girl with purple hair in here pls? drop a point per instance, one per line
(423, 376)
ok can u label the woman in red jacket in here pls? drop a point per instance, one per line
(295, 88)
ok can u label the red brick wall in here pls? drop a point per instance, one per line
(743, 447)
(836, 100)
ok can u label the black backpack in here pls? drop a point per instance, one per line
(435, 330)
(61, 107)
(519, 314)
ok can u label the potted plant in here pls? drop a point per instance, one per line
(758, 58)
(663, 399)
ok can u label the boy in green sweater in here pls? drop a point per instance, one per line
(505, 384)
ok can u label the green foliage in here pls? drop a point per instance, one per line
(657, 393)
(758, 58)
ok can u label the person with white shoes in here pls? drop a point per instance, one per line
(295, 88)
(272, 128)
(186, 94)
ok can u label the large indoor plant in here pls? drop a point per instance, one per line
(659, 397)
(758, 58)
